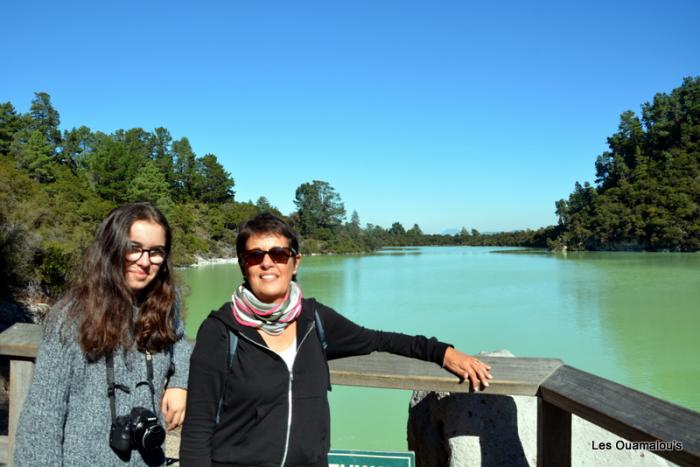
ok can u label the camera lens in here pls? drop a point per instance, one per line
(146, 430)
(152, 437)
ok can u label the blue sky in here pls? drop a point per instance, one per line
(444, 113)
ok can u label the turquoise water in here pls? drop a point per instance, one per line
(629, 317)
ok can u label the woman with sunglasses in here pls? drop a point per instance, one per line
(113, 361)
(259, 373)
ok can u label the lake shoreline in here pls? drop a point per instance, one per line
(200, 261)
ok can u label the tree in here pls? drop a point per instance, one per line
(647, 194)
(111, 168)
(263, 205)
(77, 143)
(149, 185)
(319, 207)
(45, 118)
(162, 155)
(463, 236)
(414, 236)
(212, 184)
(397, 229)
(34, 154)
(353, 227)
(10, 123)
(415, 231)
(137, 143)
(236, 213)
(625, 153)
(185, 169)
(22, 205)
(355, 220)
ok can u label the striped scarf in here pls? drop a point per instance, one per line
(270, 318)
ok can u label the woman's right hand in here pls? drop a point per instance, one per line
(467, 368)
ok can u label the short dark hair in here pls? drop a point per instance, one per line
(264, 223)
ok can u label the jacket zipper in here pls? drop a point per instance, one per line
(289, 391)
(289, 397)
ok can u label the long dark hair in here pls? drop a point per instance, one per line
(100, 301)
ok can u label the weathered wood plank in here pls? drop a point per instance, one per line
(553, 435)
(513, 376)
(21, 372)
(4, 453)
(20, 340)
(626, 412)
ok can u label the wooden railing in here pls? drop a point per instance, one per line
(561, 391)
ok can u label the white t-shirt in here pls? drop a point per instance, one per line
(289, 354)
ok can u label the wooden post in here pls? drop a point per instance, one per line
(625, 412)
(21, 372)
(553, 435)
(20, 342)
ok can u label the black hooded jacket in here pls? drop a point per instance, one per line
(271, 416)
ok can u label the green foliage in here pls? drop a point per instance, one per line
(397, 229)
(45, 119)
(355, 220)
(13, 254)
(150, 185)
(21, 209)
(10, 123)
(185, 166)
(55, 267)
(77, 144)
(320, 208)
(235, 214)
(112, 167)
(263, 205)
(310, 246)
(162, 155)
(55, 189)
(213, 183)
(647, 193)
(34, 154)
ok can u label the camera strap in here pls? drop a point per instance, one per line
(149, 382)
(112, 386)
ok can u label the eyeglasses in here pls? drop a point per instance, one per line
(155, 255)
(278, 254)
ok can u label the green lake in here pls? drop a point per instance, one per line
(631, 317)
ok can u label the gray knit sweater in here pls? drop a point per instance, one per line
(66, 417)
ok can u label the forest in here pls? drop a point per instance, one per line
(646, 194)
(57, 185)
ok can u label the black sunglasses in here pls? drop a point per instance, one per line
(278, 254)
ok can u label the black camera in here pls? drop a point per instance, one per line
(138, 430)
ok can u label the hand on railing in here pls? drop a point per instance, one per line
(467, 368)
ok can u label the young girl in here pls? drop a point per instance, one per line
(113, 361)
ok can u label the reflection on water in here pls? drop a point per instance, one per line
(399, 251)
(648, 310)
(630, 317)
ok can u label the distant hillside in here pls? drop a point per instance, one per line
(647, 189)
